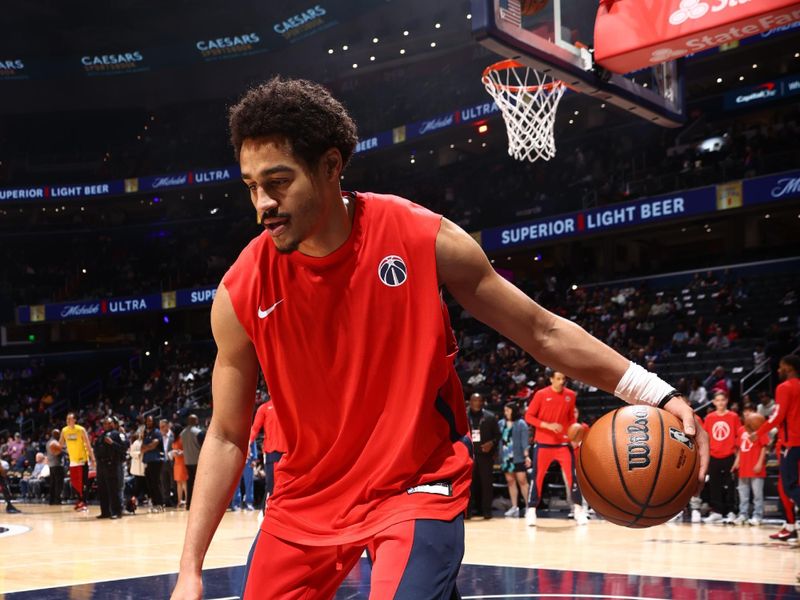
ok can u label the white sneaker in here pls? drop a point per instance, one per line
(740, 520)
(713, 518)
(754, 522)
(677, 518)
(696, 517)
(512, 512)
(249, 507)
(580, 516)
(530, 517)
(730, 518)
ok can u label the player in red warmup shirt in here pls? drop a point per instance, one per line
(273, 446)
(338, 302)
(751, 464)
(786, 417)
(551, 412)
(721, 425)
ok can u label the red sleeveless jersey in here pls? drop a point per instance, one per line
(357, 351)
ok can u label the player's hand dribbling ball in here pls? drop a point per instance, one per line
(753, 422)
(637, 468)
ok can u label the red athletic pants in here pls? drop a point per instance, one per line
(543, 456)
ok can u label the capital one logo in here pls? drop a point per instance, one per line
(697, 9)
(720, 431)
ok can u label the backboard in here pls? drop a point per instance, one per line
(557, 37)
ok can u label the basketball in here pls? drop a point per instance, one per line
(55, 448)
(636, 467)
(754, 421)
(531, 7)
(576, 433)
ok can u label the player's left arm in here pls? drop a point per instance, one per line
(778, 415)
(552, 340)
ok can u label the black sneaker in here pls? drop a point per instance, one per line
(10, 508)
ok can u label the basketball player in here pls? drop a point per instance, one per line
(786, 417)
(273, 445)
(80, 455)
(338, 302)
(551, 412)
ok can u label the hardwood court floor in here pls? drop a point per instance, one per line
(64, 548)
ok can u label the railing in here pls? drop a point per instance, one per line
(764, 375)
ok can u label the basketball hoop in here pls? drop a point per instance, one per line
(528, 100)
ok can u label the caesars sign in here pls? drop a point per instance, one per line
(243, 44)
(303, 24)
(112, 64)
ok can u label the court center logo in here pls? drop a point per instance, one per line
(720, 431)
(392, 271)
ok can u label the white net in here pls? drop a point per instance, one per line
(528, 101)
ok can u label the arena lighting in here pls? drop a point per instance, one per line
(147, 353)
(355, 65)
(576, 113)
(433, 44)
(374, 40)
(330, 50)
(719, 79)
(405, 33)
(345, 47)
(402, 50)
(166, 343)
(755, 66)
(166, 319)
(469, 15)
(156, 199)
(741, 77)
(372, 58)
(571, 121)
(483, 128)
(574, 287)
(438, 26)
(83, 271)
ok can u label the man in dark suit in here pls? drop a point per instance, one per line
(485, 433)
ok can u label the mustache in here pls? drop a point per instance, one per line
(272, 214)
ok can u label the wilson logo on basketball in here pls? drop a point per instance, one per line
(638, 436)
(720, 431)
(392, 271)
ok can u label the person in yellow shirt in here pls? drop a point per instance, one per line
(80, 455)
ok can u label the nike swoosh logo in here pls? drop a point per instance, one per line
(263, 314)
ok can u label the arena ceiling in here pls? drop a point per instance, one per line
(146, 53)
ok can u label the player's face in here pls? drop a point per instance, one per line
(71, 420)
(283, 191)
(783, 371)
(557, 381)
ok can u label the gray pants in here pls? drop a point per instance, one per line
(757, 485)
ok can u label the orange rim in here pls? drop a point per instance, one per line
(510, 63)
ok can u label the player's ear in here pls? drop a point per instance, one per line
(331, 165)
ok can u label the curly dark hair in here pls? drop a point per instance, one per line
(304, 112)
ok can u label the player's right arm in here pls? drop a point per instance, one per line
(223, 452)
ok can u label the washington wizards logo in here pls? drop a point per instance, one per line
(392, 271)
